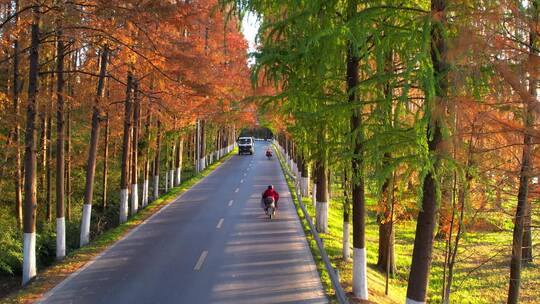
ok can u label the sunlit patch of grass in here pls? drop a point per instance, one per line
(53, 275)
(482, 267)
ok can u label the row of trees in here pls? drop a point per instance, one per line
(159, 81)
(401, 97)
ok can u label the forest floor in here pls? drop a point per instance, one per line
(481, 270)
(51, 276)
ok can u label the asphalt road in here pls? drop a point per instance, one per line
(214, 244)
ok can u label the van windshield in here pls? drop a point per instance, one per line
(244, 141)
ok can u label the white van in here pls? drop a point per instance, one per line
(246, 145)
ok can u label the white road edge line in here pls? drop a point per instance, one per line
(230, 203)
(201, 260)
(220, 223)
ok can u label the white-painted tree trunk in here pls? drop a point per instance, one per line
(314, 196)
(60, 238)
(202, 164)
(123, 205)
(171, 179)
(144, 201)
(134, 198)
(346, 244)
(166, 182)
(178, 176)
(360, 288)
(85, 224)
(321, 215)
(305, 186)
(29, 257)
(156, 187)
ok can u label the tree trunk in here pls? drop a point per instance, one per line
(43, 160)
(425, 225)
(386, 259)
(30, 156)
(17, 134)
(48, 169)
(346, 218)
(146, 187)
(321, 211)
(70, 92)
(92, 151)
(171, 164)
(179, 152)
(166, 164)
(452, 257)
(124, 176)
(60, 147)
(135, 151)
(105, 163)
(198, 151)
(304, 176)
(203, 145)
(360, 288)
(527, 246)
(68, 164)
(523, 191)
(156, 161)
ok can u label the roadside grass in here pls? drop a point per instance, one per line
(481, 272)
(334, 248)
(51, 276)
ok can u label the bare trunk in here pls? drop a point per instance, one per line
(124, 176)
(526, 169)
(521, 211)
(92, 151)
(179, 152)
(48, 169)
(68, 164)
(423, 242)
(360, 288)
(346, 217)
(527, 246)
(105, 163)
(30, 156)
(60, 147)
(386, 259)
(43, 160)
(146, 182)
(135, 151)
(156, 161)
(321, 212)
(203, 145)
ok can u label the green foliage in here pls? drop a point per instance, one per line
(10, 244)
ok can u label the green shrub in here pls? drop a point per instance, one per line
(10, 244)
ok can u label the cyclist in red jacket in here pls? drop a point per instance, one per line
(270, 192)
